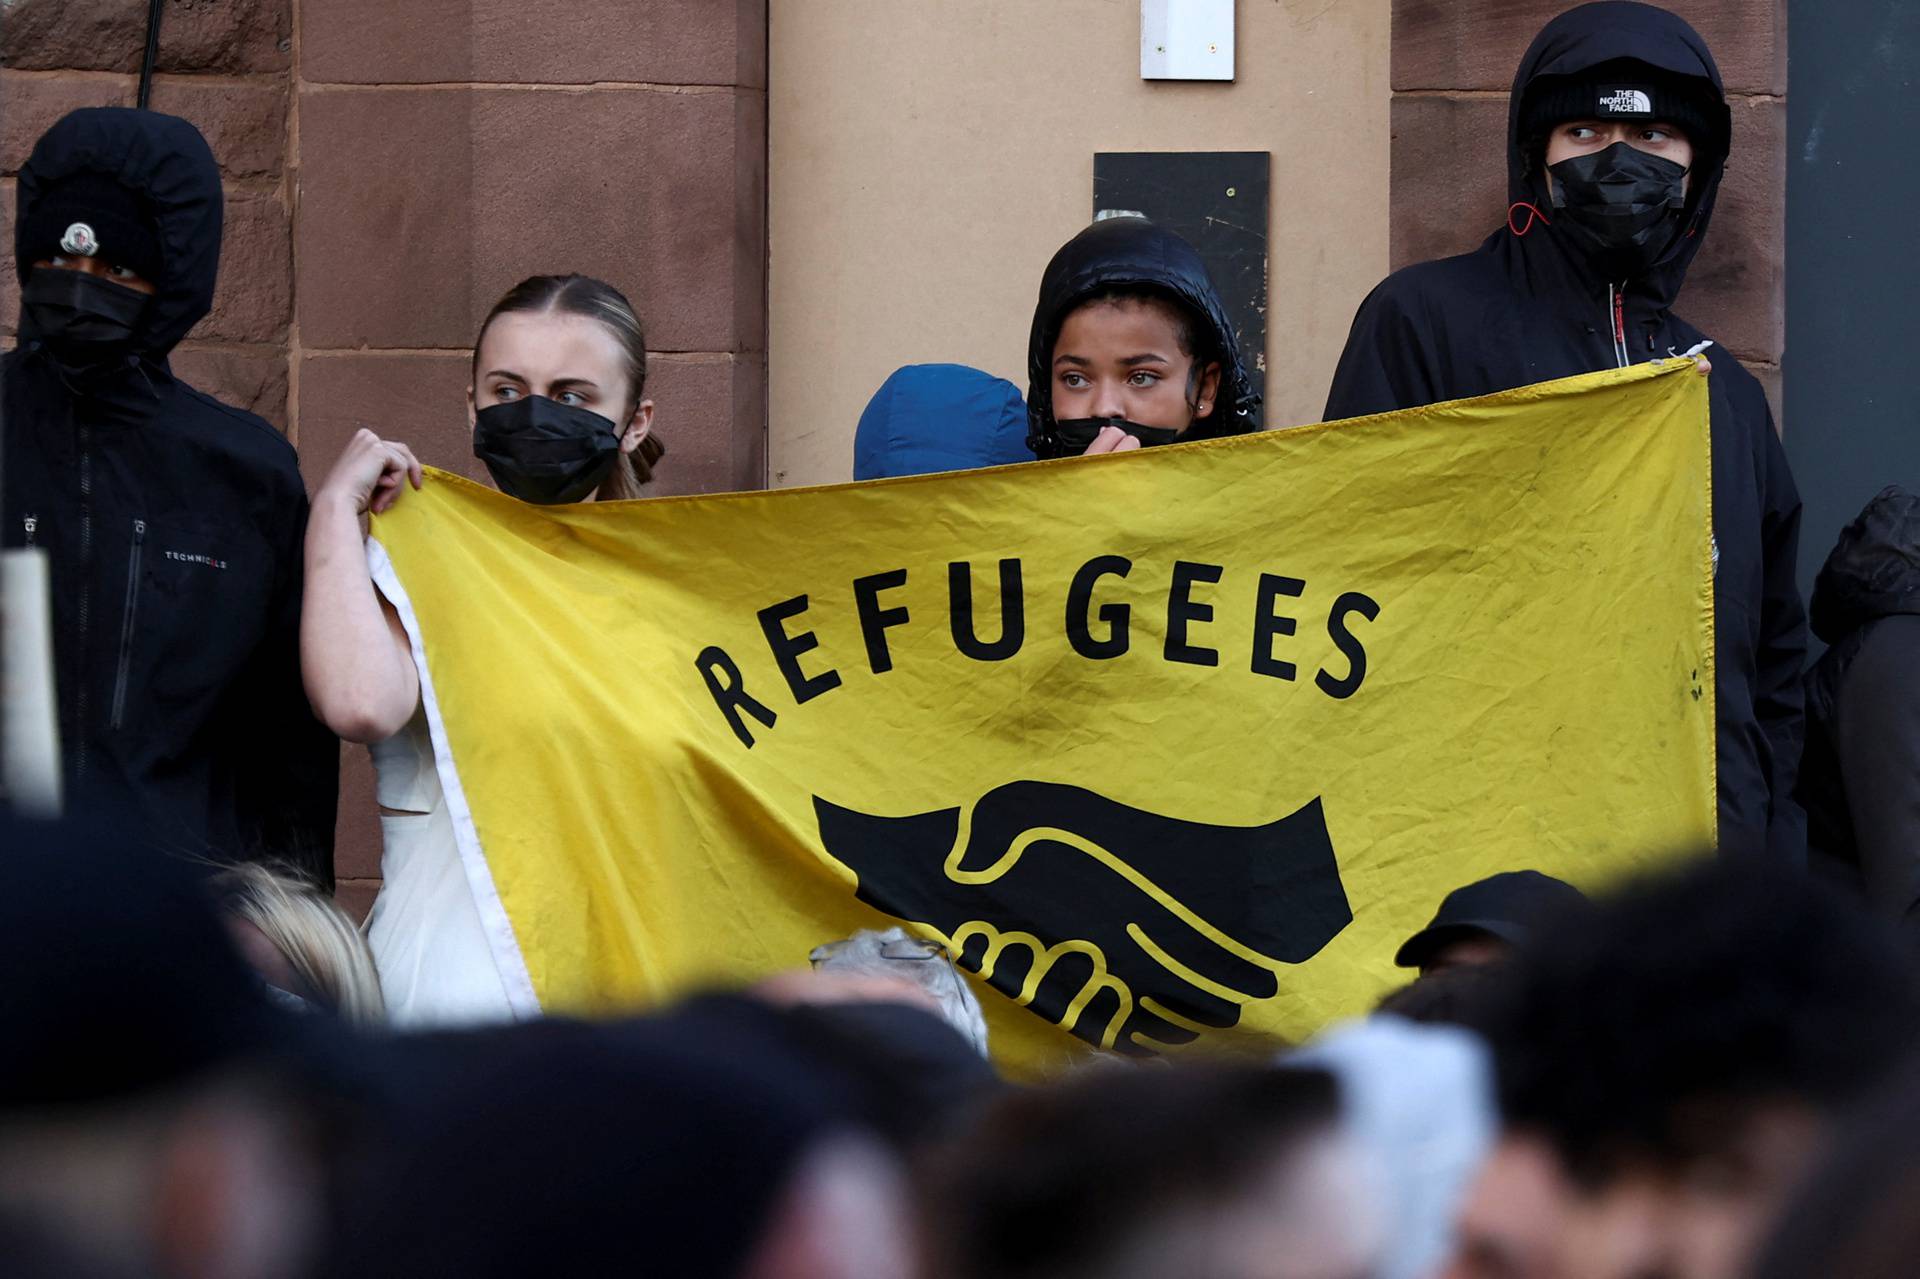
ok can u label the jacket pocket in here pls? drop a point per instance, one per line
(129, 621)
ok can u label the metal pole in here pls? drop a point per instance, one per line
(152, 54)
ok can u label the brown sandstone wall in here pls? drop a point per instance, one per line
(391, 168)
(1453, 65)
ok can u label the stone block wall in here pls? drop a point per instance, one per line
(392, 168)
(1453, 67)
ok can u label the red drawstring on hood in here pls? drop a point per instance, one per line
(1533, 213)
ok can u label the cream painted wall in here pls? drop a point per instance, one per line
(928, 156)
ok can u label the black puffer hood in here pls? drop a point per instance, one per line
(1874, 569)
(1574, 45)
(1133, 251)
(168, 167)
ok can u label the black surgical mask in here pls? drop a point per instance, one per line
(83, 319)
(543, 452)
(1622, 202)
(1074, 434)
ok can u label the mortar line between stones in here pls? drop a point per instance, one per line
(672, 356)
(1733, 95)
(765, 31)
(161, 78)
(223, 344)
(62, 75)
(641, 86)
(290, 193)
(1501, 94)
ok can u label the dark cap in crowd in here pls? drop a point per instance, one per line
(92, 214)
(1505, 906)
(120, 977)
(1626, 90)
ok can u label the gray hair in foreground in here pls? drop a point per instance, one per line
(898, 954)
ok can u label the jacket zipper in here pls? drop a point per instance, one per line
(1617, 304)
(85, 576)
(31, 524)
(127, 616)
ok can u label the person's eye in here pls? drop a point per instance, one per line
(572, 399)
(1656, 135)
(123, 273)
(1582, 133)
(1143, 378)
(505, 393)
(1073, 381)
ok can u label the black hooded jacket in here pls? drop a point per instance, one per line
(1529, 306)
(1133, 252)
(1860, 780)
(173, 526)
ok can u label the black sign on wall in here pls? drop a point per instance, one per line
(1852, 184)
(1216, 200)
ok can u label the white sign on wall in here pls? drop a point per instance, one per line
(1186, 39)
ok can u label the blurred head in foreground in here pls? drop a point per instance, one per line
(1670, 1067)
(1417, 1103)
(922, 963)
(669, 1146)
(155, 1112)
(1228, 1172)
(303, 946)
(1855, 1215)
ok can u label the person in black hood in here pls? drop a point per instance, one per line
(172, 522)
(1860, 779)
(1130, 347)
(1618, 132)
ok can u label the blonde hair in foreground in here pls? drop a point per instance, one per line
(318, 939)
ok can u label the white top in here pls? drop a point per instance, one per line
(436, 968)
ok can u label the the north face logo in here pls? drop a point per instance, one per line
(1626, 102)
(1129, 929)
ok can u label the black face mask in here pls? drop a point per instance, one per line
(83, 319)
(1622, 203)
(1074, 434)
(546, 453)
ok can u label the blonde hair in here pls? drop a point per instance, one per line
(595, 300)
(317, 938)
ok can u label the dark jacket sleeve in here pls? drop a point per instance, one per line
(288, 777)
(1383, 366)
(1878, 742)
(1782, 656)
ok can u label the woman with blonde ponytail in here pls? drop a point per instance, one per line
(559, 414)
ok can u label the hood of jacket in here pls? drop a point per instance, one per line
(1874, 569)
(1573, 45)
(927, 418)
(170, 170)
(1116, 252)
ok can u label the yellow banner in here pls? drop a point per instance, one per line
(1166, 745)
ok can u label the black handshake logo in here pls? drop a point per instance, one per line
(1134, 931)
